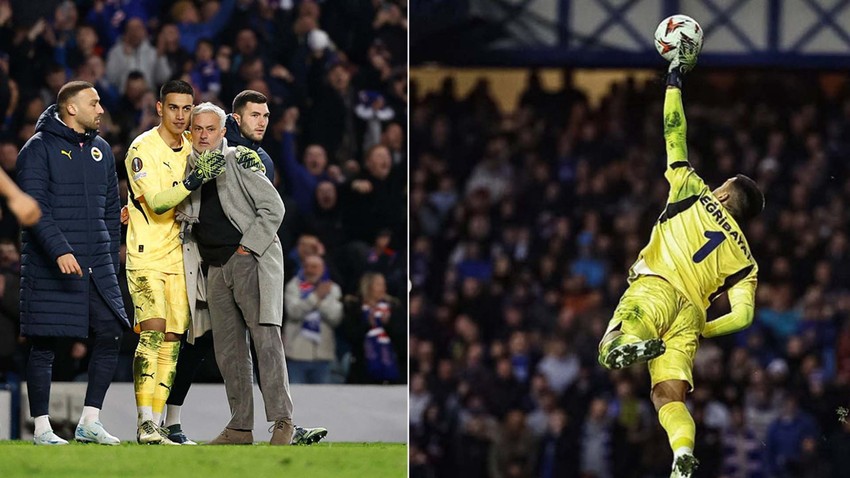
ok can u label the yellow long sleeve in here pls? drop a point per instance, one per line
(742, 300)
(165, 200)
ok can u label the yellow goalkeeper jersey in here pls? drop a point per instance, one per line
(696, 245)
(153, 240)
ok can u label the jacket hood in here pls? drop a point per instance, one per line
(234, 136)
(50, 123)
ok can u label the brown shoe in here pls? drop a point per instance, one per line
(233, 437)
(282, 431)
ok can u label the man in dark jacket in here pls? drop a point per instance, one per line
(70, 257)
(247, 124)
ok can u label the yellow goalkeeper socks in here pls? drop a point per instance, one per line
(679, 425)
(144, 371)
(166, 369)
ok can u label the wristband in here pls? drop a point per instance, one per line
(674, 78)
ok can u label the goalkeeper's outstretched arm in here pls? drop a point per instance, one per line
(742, 299)
(675, 130)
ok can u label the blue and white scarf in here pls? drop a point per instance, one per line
(311, 328)
(381, 360)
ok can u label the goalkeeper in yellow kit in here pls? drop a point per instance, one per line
(156, 166)
(696, 252)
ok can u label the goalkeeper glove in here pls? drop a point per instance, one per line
(685, 60)
(249, 159)
(208, 166)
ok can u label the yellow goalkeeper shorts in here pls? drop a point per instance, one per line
(157, 295)
(650, 308)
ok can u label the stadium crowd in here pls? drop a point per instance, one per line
(523, 227)
(336, 79)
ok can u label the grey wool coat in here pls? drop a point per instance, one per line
(255, 208)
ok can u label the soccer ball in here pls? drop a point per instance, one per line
(674, 32)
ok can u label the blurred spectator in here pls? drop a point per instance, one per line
(596, 438)
(107, 16)
(302, 179)
(331, 122)
(559, 365)
(93, 70)
(393, 138)
(376, 329)
(137, 107)
(205, 74)
(419, 399)
(74, 53)
(313, 311)
(135, 53)
(743, 454)
(514, 449)
(192, 27)
(372, 109)
(326, 220)
(369, 198)
(168, 45)
(558, 451)
(308, 245)
(57, 75)
(787, 435)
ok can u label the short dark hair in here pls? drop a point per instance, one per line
(176, 86)
(747, 199)
(69, 90)
(248, 96)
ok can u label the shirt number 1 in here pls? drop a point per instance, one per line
(714, 240)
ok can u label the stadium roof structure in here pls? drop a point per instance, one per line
(618, 33)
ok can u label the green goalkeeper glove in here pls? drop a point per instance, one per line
(249, 159)
(208, 166)
(685, 61)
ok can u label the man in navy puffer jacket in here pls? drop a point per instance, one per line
(69, 258)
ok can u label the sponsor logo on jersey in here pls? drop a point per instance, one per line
(66, 153)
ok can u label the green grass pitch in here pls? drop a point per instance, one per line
(337, 460)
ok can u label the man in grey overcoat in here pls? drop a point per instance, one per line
(231, 226)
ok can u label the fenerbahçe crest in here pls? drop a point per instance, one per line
(96, 154)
